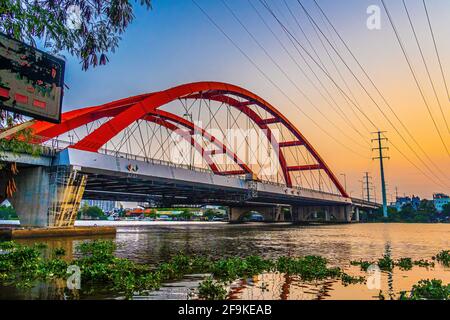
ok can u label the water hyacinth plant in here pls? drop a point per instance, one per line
(427, 290)
(25, 266)
(443, 257)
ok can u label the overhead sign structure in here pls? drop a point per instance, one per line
(31, 81)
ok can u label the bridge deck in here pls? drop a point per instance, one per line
(110, 179)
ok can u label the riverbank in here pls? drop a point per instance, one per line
(15, 232)
(136, 223)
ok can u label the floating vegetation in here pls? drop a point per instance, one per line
(212, 290)
(364, 265)
(25, 266)
(404, 263)
(387, 264)
(427, 290)
(348, 279)
(443, 257)
(423, 263)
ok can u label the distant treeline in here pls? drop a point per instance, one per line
(424, 213)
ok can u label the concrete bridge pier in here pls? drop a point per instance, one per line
(47, 196)
(270, 213)
(327, 213)
(344, 213)
(303, 214)
(356, 212)
(32, 199)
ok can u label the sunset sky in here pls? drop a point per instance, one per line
(175, 43)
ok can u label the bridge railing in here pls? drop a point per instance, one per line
(365, 202)
(297, 188)
(57, 145)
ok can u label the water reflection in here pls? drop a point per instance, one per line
(338, 243)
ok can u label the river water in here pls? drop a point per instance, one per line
(338, 243)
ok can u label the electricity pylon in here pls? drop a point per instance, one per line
(380, 149)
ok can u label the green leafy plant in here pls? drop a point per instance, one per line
(211, 290)
(443, 257)
(364, 265)
(94, 32)
(427, 290)
(60, 252)
(404, 263)
(23, 266)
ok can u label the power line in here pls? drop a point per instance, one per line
(386, 102)
(264, 3)
(334, 64)
(379, 92)
(426, 65)
(300, 68)
(342, 77)
(436, 49)
(270, 80)
(399, 40)
(285, 73)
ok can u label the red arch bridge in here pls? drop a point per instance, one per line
(197, 143)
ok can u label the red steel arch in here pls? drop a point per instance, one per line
(44, 131)
(124, 112)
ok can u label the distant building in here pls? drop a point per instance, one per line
(106, 206)
(440, 200)
(402, 201)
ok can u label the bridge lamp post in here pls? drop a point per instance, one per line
(189, 117)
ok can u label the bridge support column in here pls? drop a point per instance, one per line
(344, 213)
(304, 214)
(270, 214)
(299, 214)
(327, 215)
(357, 214)
(48, 197)
(32, 198)
(238, 213)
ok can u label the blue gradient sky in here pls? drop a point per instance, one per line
(175, 43)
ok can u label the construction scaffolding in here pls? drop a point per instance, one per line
(67, 186)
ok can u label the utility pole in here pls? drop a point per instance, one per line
(367, 182)
(362, 189)
(381, 157)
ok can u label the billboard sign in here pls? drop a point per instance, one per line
(31, 81)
